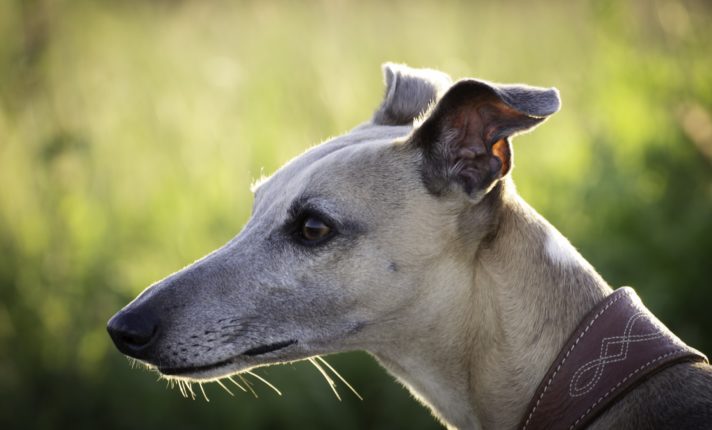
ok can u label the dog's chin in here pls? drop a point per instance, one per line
(259, 356)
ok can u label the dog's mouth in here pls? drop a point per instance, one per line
(252, 352)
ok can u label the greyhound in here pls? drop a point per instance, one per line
(405, 238)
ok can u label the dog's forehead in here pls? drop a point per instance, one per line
(339, 165)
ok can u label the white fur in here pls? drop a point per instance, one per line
(559, 249)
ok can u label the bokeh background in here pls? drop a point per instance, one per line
(130, 132)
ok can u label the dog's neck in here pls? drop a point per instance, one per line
(478, 356)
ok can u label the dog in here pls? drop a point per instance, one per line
(405, 238)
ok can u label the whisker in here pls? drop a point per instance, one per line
(265, 382)
(182, 390)
(236, 384)
(224, 387)
(326, 376)
(353, 390)
(247, 383)
(203, 390)
(190, 388)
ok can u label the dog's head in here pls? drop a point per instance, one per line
(345, 239)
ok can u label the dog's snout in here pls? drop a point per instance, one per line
(133, 331)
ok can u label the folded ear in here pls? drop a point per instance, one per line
(466, 138)
(409, 93)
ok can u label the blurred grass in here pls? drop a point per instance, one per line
(130, 132)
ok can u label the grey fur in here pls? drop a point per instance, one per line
(409, 93)
(534, 101)
(466, 295)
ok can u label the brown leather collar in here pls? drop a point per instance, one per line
(616, 346)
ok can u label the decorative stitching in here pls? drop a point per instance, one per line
(563, 360)
(603, 359)
(600, 399)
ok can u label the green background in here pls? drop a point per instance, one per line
(130, 132)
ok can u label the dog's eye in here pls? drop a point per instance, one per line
(314, 229)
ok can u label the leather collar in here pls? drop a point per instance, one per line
(615, 347)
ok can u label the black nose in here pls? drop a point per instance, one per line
(133, 332)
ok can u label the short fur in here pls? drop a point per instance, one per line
(437, 268)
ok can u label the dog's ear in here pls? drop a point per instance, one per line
(409, 93)
(466, 138)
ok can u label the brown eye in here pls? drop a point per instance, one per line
(314, 229)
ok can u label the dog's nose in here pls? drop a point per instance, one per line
(133, 331)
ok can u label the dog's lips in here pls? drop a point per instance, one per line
(265, 349)
(252, 352)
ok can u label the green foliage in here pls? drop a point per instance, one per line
(131, 131)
